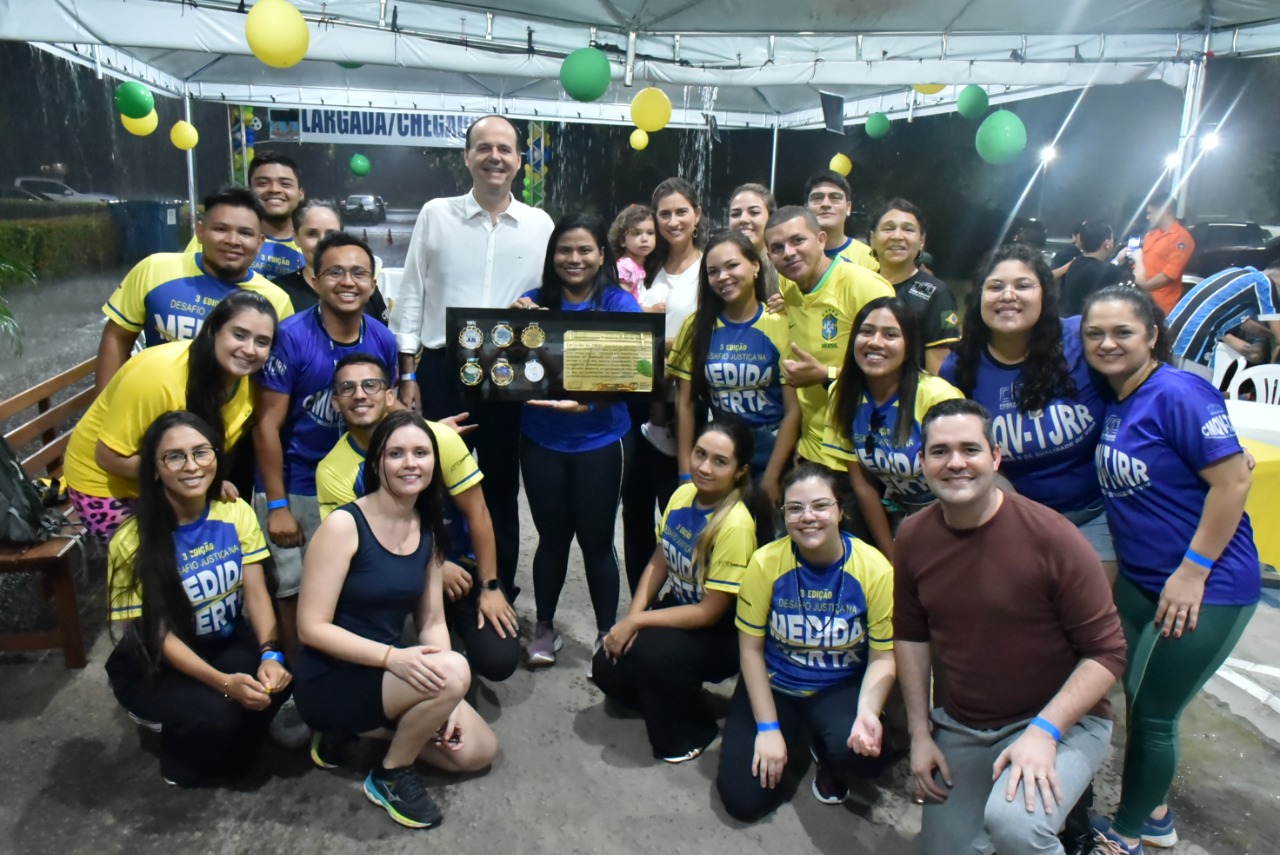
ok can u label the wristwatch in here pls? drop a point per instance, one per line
(492, 585)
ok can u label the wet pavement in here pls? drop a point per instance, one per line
(571, 776)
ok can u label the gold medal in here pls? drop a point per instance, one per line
(472, 373)
(501, 335)
(533, 370)
(471, 337)
(532, 336)
(502, 373)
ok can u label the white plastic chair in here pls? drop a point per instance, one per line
(1266, 383)
(1227, 362)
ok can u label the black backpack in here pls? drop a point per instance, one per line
(23, 518)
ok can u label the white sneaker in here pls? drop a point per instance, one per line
(288, 729)
(660, 438)
(153, 726)
(594, 650)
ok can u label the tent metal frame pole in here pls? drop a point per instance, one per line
(231, 148)
(773, 159)
(191, 161)
(1188, 132)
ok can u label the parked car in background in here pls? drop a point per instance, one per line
(1223, 243)
(365, 209)
(19, 194)
(53, 190)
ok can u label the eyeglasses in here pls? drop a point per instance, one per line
(176, 461)
(877, 422)
(820, 508)
(357, 274)
(370, 385)
(1020, 286)
(818, 196)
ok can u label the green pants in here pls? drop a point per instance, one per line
(1162, 677)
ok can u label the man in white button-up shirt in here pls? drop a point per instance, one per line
(483, 249)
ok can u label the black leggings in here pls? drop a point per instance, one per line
(651, 479)
(828, 715)
(662, 676)
(204, 736)
(574, 494)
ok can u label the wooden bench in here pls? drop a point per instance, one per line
(59, 556)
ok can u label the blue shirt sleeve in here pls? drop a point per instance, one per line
(281, 368)
(1198, 427)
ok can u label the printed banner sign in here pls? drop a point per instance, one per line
(372, 127)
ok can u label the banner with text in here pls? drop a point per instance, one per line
(382, 127)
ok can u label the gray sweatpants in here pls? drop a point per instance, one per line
(976, 819)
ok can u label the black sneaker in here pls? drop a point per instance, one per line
(328, 749)
(404, 796)
(827, 788)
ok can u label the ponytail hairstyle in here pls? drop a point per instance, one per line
(157, 582)
(1045, 373)
(853, 383)
(739, 433)
(206, 391)
(550, 293)
(430, 502)
(1144, 308)
(711, 305)
(675, 186)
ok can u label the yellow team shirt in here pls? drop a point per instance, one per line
(340, 476)
(211, 553)
(275, 259)
(819, 624)
(857, 252)
(678, 532)
(820, 324)
(146, 387)
(167, 296)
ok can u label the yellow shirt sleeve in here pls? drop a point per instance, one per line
(123, 601)
(275, 295)
(875, 574)
(127, 304)
(735, 543)
(680, 360)
(336, 477)
(253, 546)
(149, 387)
(457, 465)
(755, 594)
(933, 390)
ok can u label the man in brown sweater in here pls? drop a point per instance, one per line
(1015, 602)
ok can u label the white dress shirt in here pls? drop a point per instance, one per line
(458, 256)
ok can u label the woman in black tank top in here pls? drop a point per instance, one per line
(370, 565)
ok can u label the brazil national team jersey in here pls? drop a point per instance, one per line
(1154, 444)
(856, 252)
(682, 525)
(212, 553)
(278, 257)
(820, 323)
(743, 365)
(167, 296)
(818, 623)
(301, 366)
(874, 444)
(1048, 454)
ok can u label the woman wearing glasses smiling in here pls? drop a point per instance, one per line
(199, 660)
(815, 641)
(875, 412)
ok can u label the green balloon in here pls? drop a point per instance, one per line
(877, 125)
(360, 165)
(351, 64)
(134, 100)
(1001, 138)
(972, 102)
(585, 73)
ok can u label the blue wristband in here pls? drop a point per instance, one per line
(1196, 558)
(410, 376)
(766, 726)
(685, 477)
(277, 504)
(273, 655)
(1048, 727)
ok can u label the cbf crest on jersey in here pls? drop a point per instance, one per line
(829, 326)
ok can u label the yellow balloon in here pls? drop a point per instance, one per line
(277, 33)
(842, 164)
(141, 127)
(929, 88)
(183, 135)
(639, 139)
(651, 109)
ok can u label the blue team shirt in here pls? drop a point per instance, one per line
(1048, 455)
(301, 366)
(574, 432)
(1154, 444)
(278, 258)
(743, 369)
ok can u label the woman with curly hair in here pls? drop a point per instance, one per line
(1025, 364)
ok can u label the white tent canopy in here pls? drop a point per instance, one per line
(746, 62)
